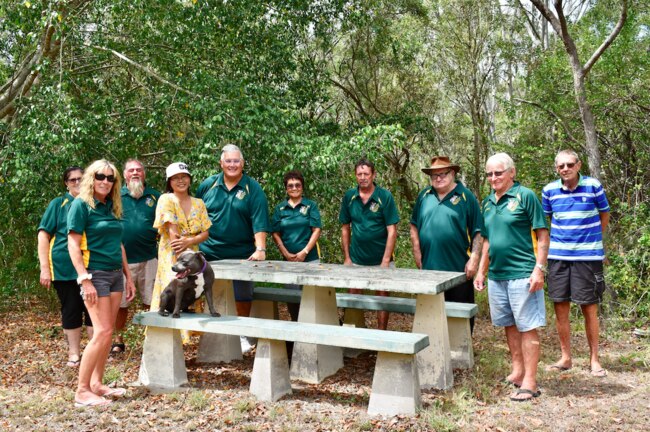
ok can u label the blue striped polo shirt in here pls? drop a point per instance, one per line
(576, 232)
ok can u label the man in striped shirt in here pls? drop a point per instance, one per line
(579, 215)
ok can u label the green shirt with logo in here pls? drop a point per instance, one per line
(55, 223)
(101, 234)
(140, 238)
(295, 225)
(236, 215)
(446, 228)
(369, 222)
(509, 226)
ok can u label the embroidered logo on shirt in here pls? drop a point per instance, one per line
(374, 207)
(241, 194)
(512, 204)
(304, 210)
(455, 199)
(150, 202)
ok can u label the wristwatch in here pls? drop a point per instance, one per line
(84, 277)
(543, 268)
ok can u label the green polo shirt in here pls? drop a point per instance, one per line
(294, 225)
(509, 226)
(138, 215)
(446, 228)
(101, 232)
(55, 223)
(369, 222)
(236, 216)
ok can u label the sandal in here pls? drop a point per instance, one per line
(73, 363)
(533, 395)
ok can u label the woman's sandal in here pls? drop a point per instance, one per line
(117, 348)
(73, 363)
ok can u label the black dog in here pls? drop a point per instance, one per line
(194, 276)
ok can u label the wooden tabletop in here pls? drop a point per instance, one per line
(411, 281)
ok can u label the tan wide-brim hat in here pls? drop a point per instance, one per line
(440, 162)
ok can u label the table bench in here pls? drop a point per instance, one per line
(458, 315)
(395, 385)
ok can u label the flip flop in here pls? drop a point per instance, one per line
(73, 363)
(512, 383)
(532, 394)
(600, 373)
(92, 403)
(116, 392)
(558, 368)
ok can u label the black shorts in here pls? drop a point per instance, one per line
(581, 282)
(73, 309)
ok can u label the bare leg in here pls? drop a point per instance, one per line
(563, 325)
(514, 344)
(73, 338)
(96, 352)
(96, 381)
(382, 316)
(530, 349)
(592, 328)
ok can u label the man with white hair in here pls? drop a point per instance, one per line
(239, 212)
(579, 215)
(140, 240)
(515, 247)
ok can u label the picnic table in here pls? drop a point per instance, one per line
(313, 363)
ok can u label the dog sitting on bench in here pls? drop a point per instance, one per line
(194, 276)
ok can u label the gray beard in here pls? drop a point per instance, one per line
(136, 188)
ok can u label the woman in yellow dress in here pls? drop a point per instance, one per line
(182, 222)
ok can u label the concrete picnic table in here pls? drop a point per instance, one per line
(312, 363)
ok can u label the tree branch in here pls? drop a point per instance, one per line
(601, 49)
(551, 113)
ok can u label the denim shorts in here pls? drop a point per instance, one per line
(107, 281)
(512, 304)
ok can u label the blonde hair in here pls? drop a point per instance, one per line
(87, 188)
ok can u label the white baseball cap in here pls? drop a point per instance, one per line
(176, 168)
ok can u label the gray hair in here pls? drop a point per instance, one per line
(229, 148)
(501, 158)
(567, 153)
(132, 160)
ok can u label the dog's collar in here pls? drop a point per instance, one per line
(205, 264)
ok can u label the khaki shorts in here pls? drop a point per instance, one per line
(144, 276)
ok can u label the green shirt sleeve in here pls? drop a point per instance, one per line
(344, 213)
(77, 216)
(314, 215)
(391, 215)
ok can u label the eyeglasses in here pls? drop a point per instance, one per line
(232, 161)
(440, 175)
(568, 165)
(101, 177)
(494, 173)
(74, 180)
(294, 185)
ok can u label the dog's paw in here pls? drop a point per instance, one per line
(216, 314)
(163, 313)
(176, 315)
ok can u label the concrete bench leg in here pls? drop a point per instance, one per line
(460, 343)
(266, 309)
(434, 362)
(216, 348)
(395, 385)
(270, 378)
(313, 363)
(163, 363)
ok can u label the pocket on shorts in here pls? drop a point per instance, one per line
(599, 285)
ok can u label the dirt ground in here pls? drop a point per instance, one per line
(36, 390)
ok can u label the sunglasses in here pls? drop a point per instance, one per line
(568, 165)
(494, 173)
(102, 177)
(294, 186)
(74, 180)
(440, 175)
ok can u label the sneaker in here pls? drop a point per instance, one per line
(246, 347)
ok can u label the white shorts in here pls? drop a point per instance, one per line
(144, 276)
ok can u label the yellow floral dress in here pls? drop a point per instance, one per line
(169, 210)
